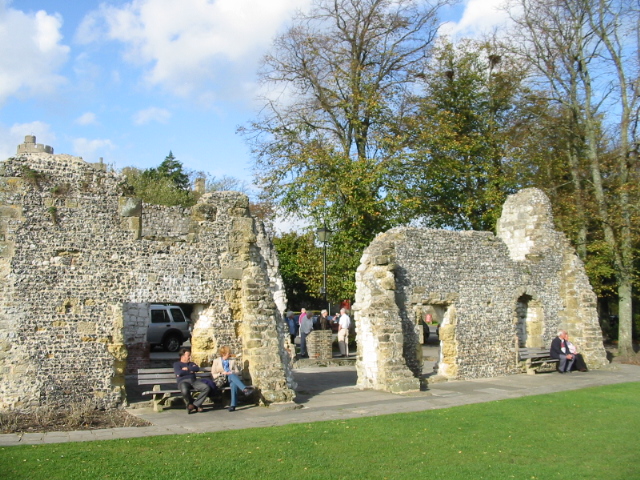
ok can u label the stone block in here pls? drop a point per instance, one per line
(87, 328)
(243, 225)
(232, 273)
(7, 249)
(382, 260)
(129, 207)
(204, 212)
(11, 211)
(388, 283)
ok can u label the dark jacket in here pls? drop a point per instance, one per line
(556, 345)
(185, 375)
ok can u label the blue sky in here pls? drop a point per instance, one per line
(131, 80)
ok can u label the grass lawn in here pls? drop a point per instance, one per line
(584, 434)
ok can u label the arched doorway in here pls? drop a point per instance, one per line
(529, 322)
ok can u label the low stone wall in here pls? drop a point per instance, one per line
(320, 344)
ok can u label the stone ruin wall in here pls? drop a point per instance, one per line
(475, 283)
(80, 262)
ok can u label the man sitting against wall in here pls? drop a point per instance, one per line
(560, 350)
(185, 371)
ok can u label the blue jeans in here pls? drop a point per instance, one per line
(236, 386)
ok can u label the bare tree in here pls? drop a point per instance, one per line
(336, 82)
(341, 73)
(586, 56)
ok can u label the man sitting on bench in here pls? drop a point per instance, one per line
(185, 371)
(560, 350)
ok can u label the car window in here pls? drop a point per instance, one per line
(159, 316)
(177, 315)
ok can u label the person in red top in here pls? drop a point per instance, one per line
(303, 314)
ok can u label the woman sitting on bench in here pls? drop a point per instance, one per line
(225, 366)
(579, 364)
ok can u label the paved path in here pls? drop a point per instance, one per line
(329, 393)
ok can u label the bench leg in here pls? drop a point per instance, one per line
(531, 370)
(159, 399)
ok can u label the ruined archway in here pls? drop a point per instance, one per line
(478, 279)
(529, 322)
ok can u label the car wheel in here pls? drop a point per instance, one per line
(172, 342)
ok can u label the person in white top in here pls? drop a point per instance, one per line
(343, 333)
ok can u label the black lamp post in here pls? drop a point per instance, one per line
(323, 235)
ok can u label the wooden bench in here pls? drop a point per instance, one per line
(162, 397)
(535, 359)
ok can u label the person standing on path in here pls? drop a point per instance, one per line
(343, 332)
(292, 326)
(324, 323)
(306, 327)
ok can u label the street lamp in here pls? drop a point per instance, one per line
(323, 235)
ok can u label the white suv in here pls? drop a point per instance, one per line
(168, 327)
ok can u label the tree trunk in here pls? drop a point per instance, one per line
(625, 311)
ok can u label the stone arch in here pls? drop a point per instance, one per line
(442, 312)
(529, 321)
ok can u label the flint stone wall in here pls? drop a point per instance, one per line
(80, 262)
(490, 293)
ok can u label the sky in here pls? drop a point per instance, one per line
(129, 81)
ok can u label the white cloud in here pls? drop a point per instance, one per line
(290, 223)
(88, 118)
(32, 52)
(479, 17)
(13, 136)
(184, 45)
(152, 114)
(90, 149)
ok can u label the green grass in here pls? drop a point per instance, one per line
(584, 434)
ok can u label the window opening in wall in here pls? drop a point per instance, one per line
(168, 328)
(156, 330)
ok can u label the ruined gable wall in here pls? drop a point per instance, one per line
(553, 269)
(475, 281)
(73, 257)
